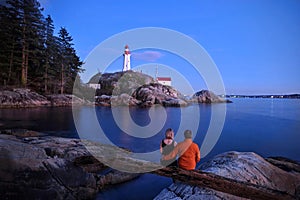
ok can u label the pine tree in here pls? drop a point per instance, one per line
(24, 35)
(51, 48)
(70, 62)
(32, 25)
(9, 45)
(30, 54)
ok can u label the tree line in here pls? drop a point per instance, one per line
(31, 56)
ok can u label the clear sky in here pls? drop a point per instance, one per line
(254, 43)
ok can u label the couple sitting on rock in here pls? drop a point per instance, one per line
(187, 150)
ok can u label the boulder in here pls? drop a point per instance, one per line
(124, 100)
(174, 103)
(246, 167)
(206, 96)
(155, 93)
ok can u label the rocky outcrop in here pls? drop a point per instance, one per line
(248, 168)
(155, 93)
(65, 100)
(121, 82)
(206, 96)
(285, 164)
(52, 168)
(135, 89)
(20, 98)
(25, 98)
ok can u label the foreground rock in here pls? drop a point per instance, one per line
(206, 96)
(247, 168)
(35, 166)
(25, 98)
(52, 168)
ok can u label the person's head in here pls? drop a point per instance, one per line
(169, 133)
(188, 134)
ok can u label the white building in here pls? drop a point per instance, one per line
(94, 81)
(126, 62)
(94, 85)
(164, 80)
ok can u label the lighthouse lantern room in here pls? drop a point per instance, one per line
(126, 55)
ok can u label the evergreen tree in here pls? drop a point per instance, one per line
(32, 25)
(22, 36)
(30, 54)
(70, 62)
(50, 54)
(10, 46)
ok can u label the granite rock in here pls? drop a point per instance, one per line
(45, 167)
(206, 96)
(243, 166)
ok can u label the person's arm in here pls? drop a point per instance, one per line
(172, 154)
(160, 147)
(197, 154)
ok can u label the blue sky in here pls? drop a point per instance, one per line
(254, 43)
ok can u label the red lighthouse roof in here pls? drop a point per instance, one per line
(126, 49)
(163, 78)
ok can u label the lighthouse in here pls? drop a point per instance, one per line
(126, 55)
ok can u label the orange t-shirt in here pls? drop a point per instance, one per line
(189, 154)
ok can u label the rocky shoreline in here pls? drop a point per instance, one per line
(145, 96)
(117, 89)
(35, 166)
(25, 98)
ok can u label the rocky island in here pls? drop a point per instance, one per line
(138, 89)
(33, 165)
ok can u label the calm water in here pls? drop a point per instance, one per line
(269, 127)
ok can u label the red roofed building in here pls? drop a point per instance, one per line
(164, 80)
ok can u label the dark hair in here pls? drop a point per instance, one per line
(168, 136)
(188, 134)
(169, 129)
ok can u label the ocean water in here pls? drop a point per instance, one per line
(269, 127)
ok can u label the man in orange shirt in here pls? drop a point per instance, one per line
(188, 151)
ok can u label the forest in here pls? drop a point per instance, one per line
(31, 54)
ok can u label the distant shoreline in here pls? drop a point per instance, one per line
(287, 96)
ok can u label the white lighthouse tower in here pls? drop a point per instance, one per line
(126, 64)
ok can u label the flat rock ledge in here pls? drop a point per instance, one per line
(33, 166)
(246, 168)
